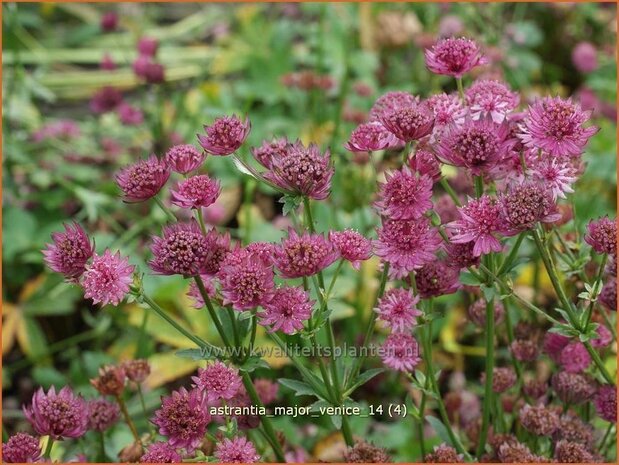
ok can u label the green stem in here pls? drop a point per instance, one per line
(512, 255)
(488, 393)
(460, 88)
(125, 412)
(307, 209)
(479, 186)
(598, 279)
(266, 422)
(445, 184)
(165, 209)
(48, 448)
(606, 436)
(211, 310)
(235, 333)
(608, 322)
(420, 423)
(143, 404)
(600, 364)
(201, 220)
(515, 361)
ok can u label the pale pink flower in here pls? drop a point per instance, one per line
(108, 278)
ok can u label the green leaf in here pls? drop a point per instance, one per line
(299, 387)
(468, 279)
(291, 203)
(440, 428)
(364, 378)
(253, 363)
(198, 354)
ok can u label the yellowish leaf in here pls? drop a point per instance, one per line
(167, 367)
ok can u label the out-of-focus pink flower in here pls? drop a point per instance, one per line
(143, 179)
(196, 192)
(154, 73)
(554, 343)
(147, 46)
(390, 102)
(304, 255)
(58, 415)
(585, 57)
(130, 115)
(575, 358)
(606, 403)
(405, 195)
(397, 308)
(236, 450)
(105, 100)
(602, 235)
(109, 22)
(225, 135)
(107, 279)
(107, 63)
(69, 252)
(352, 246)
(450, 25)
(437, 278)
(184, 158)
(102, 414)
(287, 310)
(140, 65)
(400, 352)
(454, 56)
(61, 129)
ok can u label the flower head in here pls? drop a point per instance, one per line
(184, 158)
(21, 448)
(58, 415)
(407, 245)
(575, 358)
(480, 146)
(218, 246)
(426, 164)
(161, 452)
(409, 123)
(225, 135)
(105, 100)
(109, 21)
(608, 296)
(369, 137)
(437, 278)
(271, 150)
(219, 381)
(535, 388)
(69, 252)
(491, 99)
(572, 452)
(502, 378)
(196, 192)
(303, 171)
(448, 110)
(305, 255)
(102, 414)
(287, 310)
(454, 56)
(526, 203)
(247, 284)
(391, 101)
(606, 403)
(111, 380)
(554, 344)
(137, 370)
(557, 174)
(477, 312)
(236, 450)
(183, 418)
(130, 115)
(573, 388)
(107, 279)
(142, 180)
(147, 46)
(404, 195)
(556, 126)
(573, 429)
(524, 350)
(602, 235)
(444, 454)
(584, 57)
(461, 255)
(183, 250)
(604, 337)
(539, 420)
(352, 246)
(364, 452)
(480, 222)
(400, 352)
(397, 308)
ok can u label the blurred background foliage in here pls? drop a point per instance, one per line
(308, 71)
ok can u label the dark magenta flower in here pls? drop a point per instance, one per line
(107, 279)
(247, 284)
(409, 123)
(425, 163)
(147, 46)
(390, 102)
(303, 171)
(102, 414)
(161, 452)
(269, 151)
(105, 100)
(556, 126)
(287, 310)
(130, 115)
(437, 278)
(21, 448)
(575, 358)
(196, 192)
(183, 418)
(143, 179)
(572, 452)
(573, 388)
(539, 420)
(352, 246)
(400, 351)
(602, 235)
(397, 308)
(405, 195)
(182, 249)
(527, 203)
(109, 21)
(236, 450)
(58, 415)
(225, 135)
(184, 158)
(606, 403)
(454, 56)
(369, 137)
(218, 381)
(304, 255)
(69, 252)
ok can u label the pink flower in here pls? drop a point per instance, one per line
(480, 222)
(528, 203)
(269, 151)
(407, 245)
(105, 100)
(409, 123)
(369, 137)
(196, 192)
(183, 418)
(604, 337)
(437, 278)
(130, 115)
(454, 56)
(140, 66)
(491, 99)
(142, 180)
(602, 235)
(400, 352)
(461, 255)
(218, 381)
(397, 308)
(102, 414)
(606, 403)
(584, 57)
(448, 110)
(303, 171)
(305, 255)
(425, 163)
(69, 252)
(61, 129)
(608, 296)
(557, 174)
(183, 250)
(161, 452)
(195, 294)
(556, 126)
(218, 246)
(236, 450)
(390, 102)
(575, 358)
(554, 343)
(404, 195)
(107, 279)
(109, 21)
(154, 73)
(62, 415)
(478, 146)
(147, 46)
(352, 246)
(287, 310)
(247, 284)
(21, 448)
(107, 63)
(184, 158)
(225, 135)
